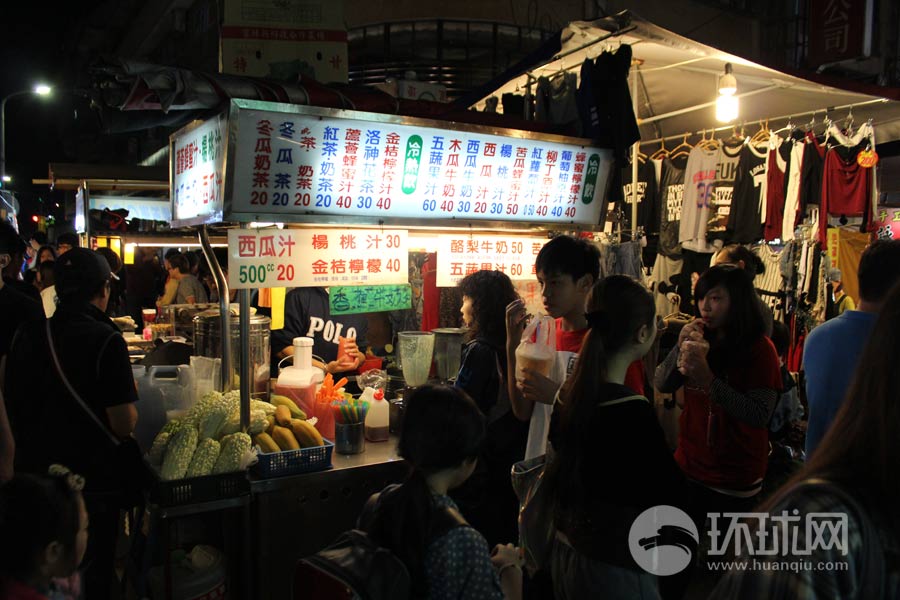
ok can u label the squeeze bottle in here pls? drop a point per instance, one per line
(298, 382)
(378, 419)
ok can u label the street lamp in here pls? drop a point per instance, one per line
(41, 89)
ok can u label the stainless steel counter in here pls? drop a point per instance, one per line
(298, 515)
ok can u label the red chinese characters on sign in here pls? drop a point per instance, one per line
(275, 245)
(185, 158)
(262, 161)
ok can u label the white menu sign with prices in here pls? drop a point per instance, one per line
(462, 254)
(269, 258)
(364, 165)
(196, 171)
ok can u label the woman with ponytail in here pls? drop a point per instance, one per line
(443, 433)
(610, 459)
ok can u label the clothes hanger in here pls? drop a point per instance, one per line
(762, 136)
(735, 139)
(682, 149)
(677, 315)
(661, 152)
(712, 143)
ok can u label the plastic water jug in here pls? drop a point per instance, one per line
(298, 382)
(378, 419)
(165, 392)
(537, 350)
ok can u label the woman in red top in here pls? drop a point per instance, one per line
(730, 374)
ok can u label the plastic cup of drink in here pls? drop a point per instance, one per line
(149, 315)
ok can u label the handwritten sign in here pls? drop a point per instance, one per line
(196, 169)
(266, 258)
(462, 254)
(887, 223)
(369, 298)
(317, 161)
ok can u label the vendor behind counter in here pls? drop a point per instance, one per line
(307, 314)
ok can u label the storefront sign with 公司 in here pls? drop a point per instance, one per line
(314, 161)
(369, 298)
(196, 169)
(268, 258)
(460, 255)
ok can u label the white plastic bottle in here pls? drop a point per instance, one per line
(378, 419)
(298, 382)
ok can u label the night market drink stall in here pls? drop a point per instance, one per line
(352, 194)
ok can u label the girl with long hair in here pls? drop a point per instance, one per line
(852, 472)
(442, 435)
(487, 499)
(731, 378)
(609, 459)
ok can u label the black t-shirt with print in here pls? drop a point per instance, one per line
(670, 198)
(744, 222)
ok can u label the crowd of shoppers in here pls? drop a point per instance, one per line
(453, 521)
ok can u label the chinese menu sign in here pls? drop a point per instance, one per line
(369, 298)
(294, 164)
(460, 255)
(197, 166)
(268, 258)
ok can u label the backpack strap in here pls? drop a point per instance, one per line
(635, 398)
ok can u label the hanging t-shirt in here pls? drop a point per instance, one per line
(792, 190)
(699, 186)
(811, 175)
(846, 188)
(671, 196)
(720, 201)
(775, 168)
(568, 343)
(745, 220)
(648, 212)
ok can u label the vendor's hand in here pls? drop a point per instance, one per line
(505, 554)
(516, 316)
(341, 366)
(352, 350)
(690, 330)
(537, 387)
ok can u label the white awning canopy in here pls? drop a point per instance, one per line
(677, 84)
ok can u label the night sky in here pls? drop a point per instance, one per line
(38, 46)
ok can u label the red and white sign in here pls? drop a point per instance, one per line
(839, 30)
(196, 169)
(269, 258)
(463, 254)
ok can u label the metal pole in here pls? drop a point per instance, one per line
(634, 157)
(3, 136)
(246, 376)
(224, 309)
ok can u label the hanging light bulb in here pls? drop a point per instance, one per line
(727, 101)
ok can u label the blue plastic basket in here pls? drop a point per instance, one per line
(292, 462)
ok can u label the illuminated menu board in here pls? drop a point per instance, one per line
(196, 171)
(323, 162)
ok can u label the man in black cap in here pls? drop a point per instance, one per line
(49, 424)
(66, 242)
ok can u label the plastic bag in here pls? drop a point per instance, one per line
(537, 350)
(374, 378)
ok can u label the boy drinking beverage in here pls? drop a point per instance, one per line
(567, 268)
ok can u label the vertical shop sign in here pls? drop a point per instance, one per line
(411, 164)
(196, 169)
(270, 258)
(839, 30)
